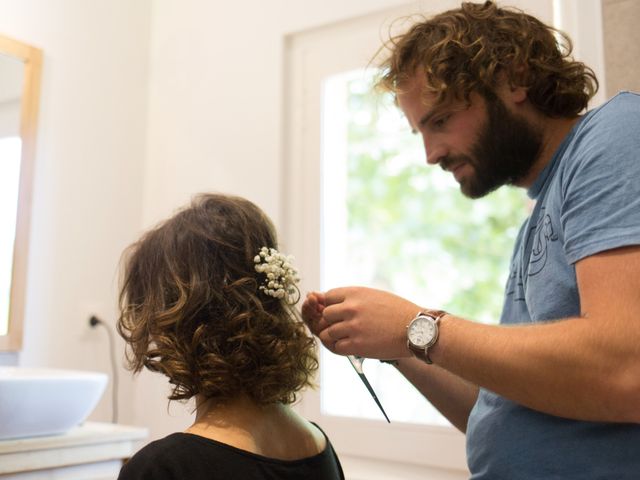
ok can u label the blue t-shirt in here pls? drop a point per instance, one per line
(587, 201)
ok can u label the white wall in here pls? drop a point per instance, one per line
(216, 98)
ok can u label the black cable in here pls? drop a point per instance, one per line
(94, 321)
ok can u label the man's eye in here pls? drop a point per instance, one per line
(440, 121)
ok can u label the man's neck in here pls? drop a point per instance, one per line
(554, 131)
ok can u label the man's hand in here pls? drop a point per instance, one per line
(360, 321)
(312, 308)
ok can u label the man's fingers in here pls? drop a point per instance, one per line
(316, 299)
(320, 325)
(335, 332)
(326, 340)
(340, 346)
(311, 310)
(343, 347)
(335, 295)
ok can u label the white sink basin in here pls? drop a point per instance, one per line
(44, 401)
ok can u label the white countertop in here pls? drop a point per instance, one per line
(88, 443)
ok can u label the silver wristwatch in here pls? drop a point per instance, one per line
(422, 333)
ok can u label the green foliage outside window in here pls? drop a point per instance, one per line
(411, 231)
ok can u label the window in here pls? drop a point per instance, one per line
(390, 222)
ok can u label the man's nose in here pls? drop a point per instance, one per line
(434, 151)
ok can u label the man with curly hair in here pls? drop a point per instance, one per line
(553, 392)
(208, 301)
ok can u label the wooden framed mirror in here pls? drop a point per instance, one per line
(20, 68)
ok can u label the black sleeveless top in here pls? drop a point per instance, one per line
(184, 456)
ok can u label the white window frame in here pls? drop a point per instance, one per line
(310, 57)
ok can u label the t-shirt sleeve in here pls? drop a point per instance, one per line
(601, 187)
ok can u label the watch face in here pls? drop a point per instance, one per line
(422, 331)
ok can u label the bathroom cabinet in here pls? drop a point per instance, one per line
(91, 451)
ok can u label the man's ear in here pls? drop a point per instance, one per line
(518, 78)
(518, 93)
(511, 89)
(511, 94)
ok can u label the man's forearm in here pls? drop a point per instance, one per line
(568, 368)
(452, 396)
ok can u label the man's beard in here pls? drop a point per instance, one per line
(506, 149)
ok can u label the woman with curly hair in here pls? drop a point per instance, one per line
(208, 301)
(553, 391)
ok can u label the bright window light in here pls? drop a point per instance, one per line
(391, 222)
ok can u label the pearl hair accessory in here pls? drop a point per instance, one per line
(281, 276)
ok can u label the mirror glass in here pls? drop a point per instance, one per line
(20, 66)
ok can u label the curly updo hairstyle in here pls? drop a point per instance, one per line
(190, 307)
(467, 49)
